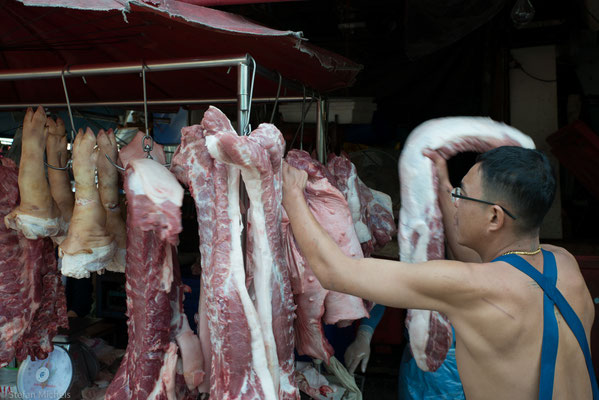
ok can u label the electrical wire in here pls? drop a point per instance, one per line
(519, 66)
(592, 15)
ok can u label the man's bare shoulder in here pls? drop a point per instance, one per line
(559, 252)
(572, 283)
(566, 262)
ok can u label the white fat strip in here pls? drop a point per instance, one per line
(155, 181)
(259, 360)
(383, 199)
(353, 200)
(34, 227)
(263, 258)
(81, 264)
(264, 264)
(418, 330)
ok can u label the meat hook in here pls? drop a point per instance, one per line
(115, 165)
(147, 148)
(66, 167)
(274, 108)
(66, 94)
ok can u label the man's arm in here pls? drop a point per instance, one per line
(435, 285)
(448, 210)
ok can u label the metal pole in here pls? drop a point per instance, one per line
(289, 84)
(320, 144)
(121, 68)
(243, 72)
(171, 102)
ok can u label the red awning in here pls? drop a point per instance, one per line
(53, 34)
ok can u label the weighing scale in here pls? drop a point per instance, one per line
(67, 370)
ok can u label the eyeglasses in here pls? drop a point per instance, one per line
(457, 193)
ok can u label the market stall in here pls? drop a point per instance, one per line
(157, 57)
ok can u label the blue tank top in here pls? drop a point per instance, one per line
(552, 296)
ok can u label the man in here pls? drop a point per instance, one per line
(496, 310)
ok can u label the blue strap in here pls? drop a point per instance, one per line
(562, 304)
(550, 331)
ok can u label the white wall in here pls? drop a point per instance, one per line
(533, 110)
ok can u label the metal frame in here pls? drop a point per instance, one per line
(244, 89)
(243, 63)
(171, 102)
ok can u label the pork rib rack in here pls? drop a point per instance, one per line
(152, 367)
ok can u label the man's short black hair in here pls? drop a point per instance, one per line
(521, 178)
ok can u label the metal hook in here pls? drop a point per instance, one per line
(272, 116)
(248, 127)
(143, 77)
(112, 162)
(301, 126)
(66, 94)
(147, 148)
(66, 167)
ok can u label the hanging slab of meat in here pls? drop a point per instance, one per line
(134, 150)
(314, 303)
(33, 304)
(234, 344)
(346, 180)
(421, 234)
(37, 215)
(88, 247)
(108, 186)
(380, 218)
(372, 216)
(151, 367)
(57, 156)
(259, 156)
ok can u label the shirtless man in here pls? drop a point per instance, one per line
(496, 310)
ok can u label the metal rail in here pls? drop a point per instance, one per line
(246, 69)
(171, 102)
(122, 68)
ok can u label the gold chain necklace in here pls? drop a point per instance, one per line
(524, 253)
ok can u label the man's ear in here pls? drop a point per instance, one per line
(496, 218)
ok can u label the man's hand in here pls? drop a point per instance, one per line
(294, 182)
(440, 165)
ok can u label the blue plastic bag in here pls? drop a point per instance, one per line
(443, 384)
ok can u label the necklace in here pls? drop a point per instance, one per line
(524, 253)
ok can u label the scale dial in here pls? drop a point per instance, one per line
(46, 379)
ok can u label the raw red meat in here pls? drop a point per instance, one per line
(152, 368)
(259, 157)
(371, 211)
(229, 325)
(32, 300)
(315, 304)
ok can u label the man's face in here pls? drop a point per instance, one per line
(469, 214)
